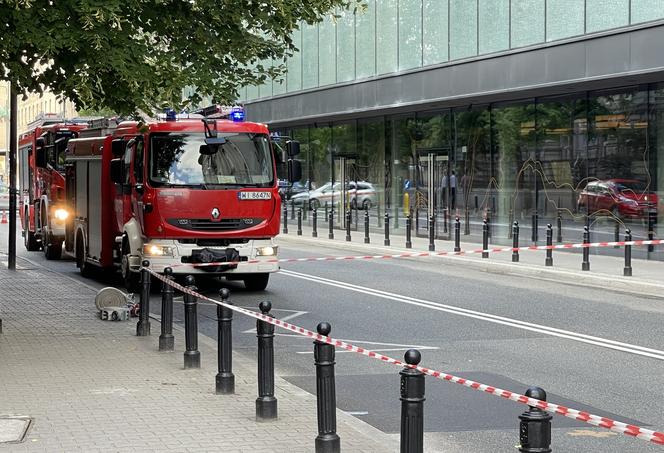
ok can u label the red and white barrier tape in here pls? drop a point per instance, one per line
(441, 253)
(595, 420)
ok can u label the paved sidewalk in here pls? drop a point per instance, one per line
(605, 271)
(93, 386)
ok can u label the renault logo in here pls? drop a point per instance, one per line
(215, 213)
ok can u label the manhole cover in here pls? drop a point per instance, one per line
(13, 429)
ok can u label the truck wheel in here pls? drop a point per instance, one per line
(52, 249)
(256, 282)
(84, 267)
(31, 244)
(131, 279)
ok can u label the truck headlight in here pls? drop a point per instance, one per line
(157, 250)
(61, 214)
(266, 251)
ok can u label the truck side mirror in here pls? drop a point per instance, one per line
(116, 171)
(294, 170)
(117, 147)
(41, 157)
(292, 148)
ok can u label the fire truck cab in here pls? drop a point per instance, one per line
(179, 193)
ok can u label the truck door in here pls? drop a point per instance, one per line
(138, 181)
(123, 191)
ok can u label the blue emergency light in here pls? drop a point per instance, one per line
(237, 114)
(171, 115)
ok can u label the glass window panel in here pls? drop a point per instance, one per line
(309, 56)
(645, 10)
(410, 34)
(365, 26)
(564, 18)
(435, 31)
(527, 22)
(265, 89)
(327, 62)
(656, 150)
(345, 46)
(463, 29)
(320, 144)
(494, 25)
(386, 36)
(279, 85)
(371, 163)
(606, 14)
(294, 80)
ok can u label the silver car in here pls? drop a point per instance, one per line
(4, 197)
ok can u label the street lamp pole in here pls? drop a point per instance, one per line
(13, 192)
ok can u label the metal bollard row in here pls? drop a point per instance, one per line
(143, 325)
(367, 240)
(166, 339)
(285, 229)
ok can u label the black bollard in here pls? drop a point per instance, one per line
(367, 240)
(510, 221)
(627, 272)
(585, 266)
(432, 233)
(166, 339)
(485, 239)
(534, 227)
(466, 224)
(515, 242)
(330, 224)
(292, 210)
(457, 234)
(535, 426)
(488, 222)
(314, 220)
(192, 356)
(396, 217)
(412, 405)
(327, 440)
(559, 220)
(652, 217)
(409, 224)
(445, 218)
(616, 234)
(143, 325)
(348, 220)
(266, 403)
(225, 379)
(299, 222)
(305, 209)
(285, 230)
(387, 229)
(549, 243)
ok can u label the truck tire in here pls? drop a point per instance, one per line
(256, 282)
(29, 239)
(131, 279)
(52, 248)
(84, 267)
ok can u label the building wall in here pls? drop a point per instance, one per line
(393, 36)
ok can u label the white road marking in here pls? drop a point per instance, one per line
(532, 327)
(294, 315)
(399, 347)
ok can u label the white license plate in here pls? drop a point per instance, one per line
(255, 195)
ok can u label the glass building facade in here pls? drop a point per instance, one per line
(530, 111)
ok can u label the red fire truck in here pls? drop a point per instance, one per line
(41, 180)
(180, 193)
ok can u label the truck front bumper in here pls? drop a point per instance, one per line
(185, 258)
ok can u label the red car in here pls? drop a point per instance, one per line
(620, 197)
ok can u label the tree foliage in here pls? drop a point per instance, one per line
(126, 55)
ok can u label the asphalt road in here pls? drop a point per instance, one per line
(521, 332)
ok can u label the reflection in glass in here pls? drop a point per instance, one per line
(294, 77)
(365, 44)
(327, 60)
(646, 10)
(345, 46)
(309, 56)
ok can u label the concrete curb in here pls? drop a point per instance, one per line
(628, 285)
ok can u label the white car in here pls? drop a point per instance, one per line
(361, 194)
(4, 197)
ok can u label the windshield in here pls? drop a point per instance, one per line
(237, 159)
(631, 186)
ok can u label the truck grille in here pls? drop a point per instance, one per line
(215, 225)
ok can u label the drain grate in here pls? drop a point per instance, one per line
(13, 428)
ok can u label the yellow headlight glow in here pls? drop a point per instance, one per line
(61, 214)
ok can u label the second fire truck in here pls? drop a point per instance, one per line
(41, 180)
